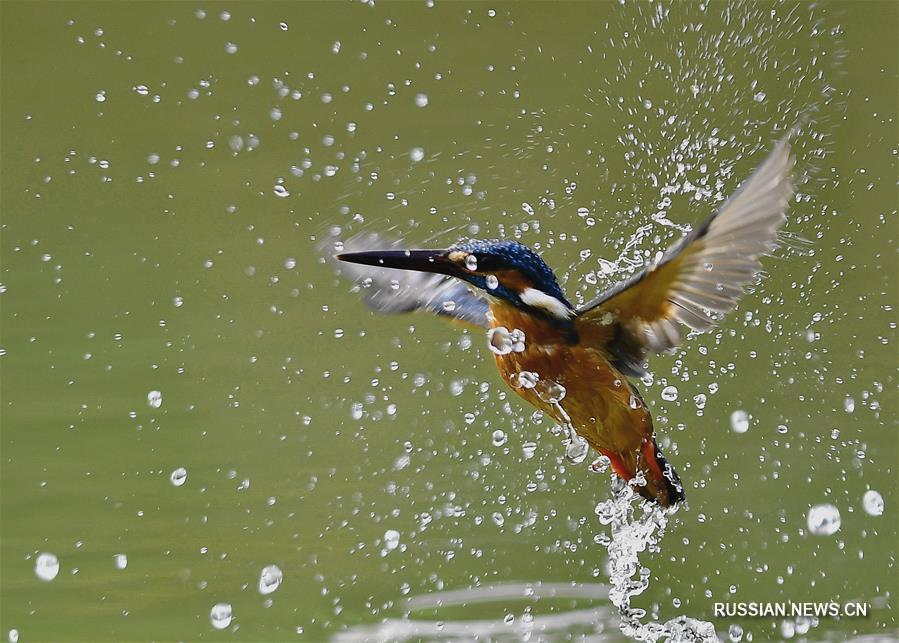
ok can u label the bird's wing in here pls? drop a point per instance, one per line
(401, 291)
(698, 278)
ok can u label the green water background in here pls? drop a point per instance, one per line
(144, 248)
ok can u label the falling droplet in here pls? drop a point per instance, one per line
(576, 450)
(872, 501)
(220, 615)
(528, 379)
(391, 539)
(46, 567)
(178, 477)
(517, 337)
(824, 520)
(529, 449)
(270, 579)
(500, 340)
(739, 421)
(154, 399)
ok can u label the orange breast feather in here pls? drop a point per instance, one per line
(598, 401)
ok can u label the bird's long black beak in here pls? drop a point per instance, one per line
(420, 260)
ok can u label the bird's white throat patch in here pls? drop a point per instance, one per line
(548, 303)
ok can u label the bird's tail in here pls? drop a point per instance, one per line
(662, 482)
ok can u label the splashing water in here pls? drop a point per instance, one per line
(633, 533)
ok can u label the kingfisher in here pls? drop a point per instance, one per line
(578, 364)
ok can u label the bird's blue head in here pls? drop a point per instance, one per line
(505, 270)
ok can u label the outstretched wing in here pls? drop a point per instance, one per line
(697, 279)
(401, 291)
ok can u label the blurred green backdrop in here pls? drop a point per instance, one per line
(168, 171)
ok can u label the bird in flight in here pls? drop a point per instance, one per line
(573, 363)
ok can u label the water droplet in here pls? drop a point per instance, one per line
(13, 636)
(669, 393)
(283, 26)
(700, 400)
(270, 579)
(529, 449)
(499, 438)
(178, 301)
(230, 48)
(872, 501)
(391, 539)
(824, 520)
(576, 450)
(849, 404)
(499, 340)
(517, 337)
(421, 100)
(121, 561)
(760, 97)
(101, 96)
(417, 154)
(528, 379)
(178, 477)
(550, 391)
(220, 615)
(154, 399)
(739, 421)
(46, 566)
(735, 633)
(471, 263)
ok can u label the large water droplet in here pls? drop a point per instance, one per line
(154, 399)
(391, 539)
(270, 579)
(421, 100)
(417, 154)
(499, 340)
(492, 282)
(280, 191)
(669, 393)
(550, 391)
(739, 421)
(499, 438)
(46, 566)
(872, 501)
(178, 477)
(121, 561)
(528, 379)
(576, 450)
(471, 263)
(529, 449)
(824, 520)
(518, 338)
(220, 615)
